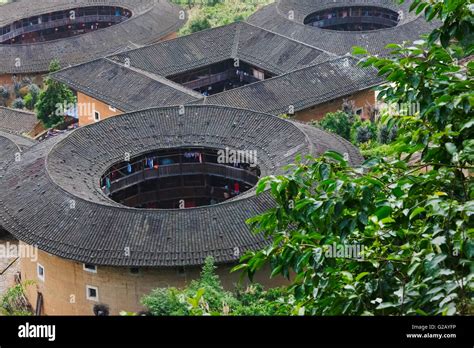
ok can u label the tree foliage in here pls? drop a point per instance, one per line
(214, 13)
(206, 296)
(411, 215)
(14, 302)
(51, 100)
(337, 122)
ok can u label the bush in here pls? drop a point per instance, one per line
(337, 122)
(165, 302)
(32, 97)
(362, 132)
(14, 302)
(215, 13)
(4, 95)
(18, 103)
(214, 294)
(206, 296)
(198, 24)
(387, 135)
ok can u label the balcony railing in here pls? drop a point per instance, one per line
(62, 22)
(354, 20)
(164, 171)
(181, 193)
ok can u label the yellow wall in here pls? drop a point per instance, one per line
(64, 286)
(86, 106)
(361, 99)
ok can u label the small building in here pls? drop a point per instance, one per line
(19, 122)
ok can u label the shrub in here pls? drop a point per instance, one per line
(32, 97)
(18, 103)
(14, 302)
(165, 302)
(337, 122)
(198, 24)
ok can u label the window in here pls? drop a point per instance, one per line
(260, 75)
(92, 293)
(181, 271)
(40, 272)
(359, 111)
(96, 116)
(134, 270)
(90, 268)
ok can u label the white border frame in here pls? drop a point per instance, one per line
(89, 270)
(38, 266)
(93, 115)
(95, 299)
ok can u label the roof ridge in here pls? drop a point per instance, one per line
(174, 39)
(236, 43)
(18, 110)
(292, 39)
(158, 78)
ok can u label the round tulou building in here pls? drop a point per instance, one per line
(33, 33)
(138, 201)
(337, 25)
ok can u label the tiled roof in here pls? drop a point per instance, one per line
(151, 21)
(17, 121)
(57, 183)
(125, 88)
(136, 79)
(302, 88)
(276, 17)
(7, 152)
(270, 51)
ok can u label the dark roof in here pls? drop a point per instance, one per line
(275, 17)
(17, 121)
(97, 230)
(270, 51)
(10, 146)
(136, 79)
(151, 21)
(302, 88)
(7, 152)
(125, 88)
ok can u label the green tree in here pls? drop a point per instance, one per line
(51, 101)
(411, 219)
(198, 24)
(206, 296)
(337, 122)
(32, 97)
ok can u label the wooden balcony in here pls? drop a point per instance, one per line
(184, 169)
